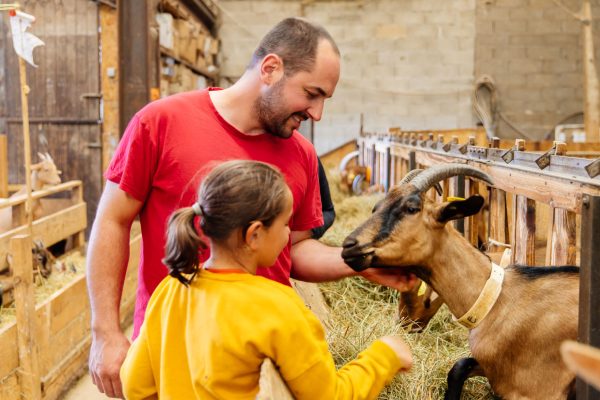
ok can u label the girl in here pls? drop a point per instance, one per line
(207, 330)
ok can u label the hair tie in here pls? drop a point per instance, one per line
(197, 209)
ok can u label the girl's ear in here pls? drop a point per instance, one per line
(253, 234)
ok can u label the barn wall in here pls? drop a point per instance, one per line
(533, 51)
(405, 63)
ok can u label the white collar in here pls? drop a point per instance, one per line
(486, 300)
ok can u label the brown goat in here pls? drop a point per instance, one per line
(517, 343)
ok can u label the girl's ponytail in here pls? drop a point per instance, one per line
(183, 245)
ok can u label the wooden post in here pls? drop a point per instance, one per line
(29, 375)
(26, 145)
(388, 170)
(589, 285)
(524, 228)
(271, 384)
(591, 115)
(3, 167)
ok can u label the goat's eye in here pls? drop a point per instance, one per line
(412, 210)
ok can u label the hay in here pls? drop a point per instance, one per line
(362, 312)
(66, 269)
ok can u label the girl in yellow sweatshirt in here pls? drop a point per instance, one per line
(207, 330)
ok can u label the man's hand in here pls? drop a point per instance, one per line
(396, 278)
(106, 357)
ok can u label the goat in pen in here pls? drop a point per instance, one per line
(517, 316)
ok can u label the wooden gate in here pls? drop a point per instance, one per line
(64, 103)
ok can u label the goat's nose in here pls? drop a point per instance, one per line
(349, 242)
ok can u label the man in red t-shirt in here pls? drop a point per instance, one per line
(172, 142)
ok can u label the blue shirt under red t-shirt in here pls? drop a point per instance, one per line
(166, 149)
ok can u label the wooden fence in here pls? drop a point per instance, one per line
(47, 346)
(544, 205)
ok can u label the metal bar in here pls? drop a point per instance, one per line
(55, 121)
(589, 285)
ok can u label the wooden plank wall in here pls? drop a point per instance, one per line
(63, 104)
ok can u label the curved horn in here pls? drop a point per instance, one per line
(412, 174)
(433, 175)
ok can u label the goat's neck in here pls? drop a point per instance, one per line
(458, 271)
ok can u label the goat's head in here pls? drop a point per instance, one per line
(417, 306)
(46, 171)
(405, 227)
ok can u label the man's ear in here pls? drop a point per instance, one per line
(271, 69)
(459, 209)
(253, 234)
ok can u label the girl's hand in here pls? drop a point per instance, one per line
(401, 349)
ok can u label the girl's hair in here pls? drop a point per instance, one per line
(233, 194)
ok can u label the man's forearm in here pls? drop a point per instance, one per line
(107, 257)
(312, 261)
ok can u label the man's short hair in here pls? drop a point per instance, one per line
(295, 40)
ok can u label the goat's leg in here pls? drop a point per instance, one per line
(459, 373)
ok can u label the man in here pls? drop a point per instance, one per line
(294, 69)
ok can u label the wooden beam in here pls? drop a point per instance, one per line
(3, 167)
(50, 229)
(29, 375)
(591, 115)
(589, 285)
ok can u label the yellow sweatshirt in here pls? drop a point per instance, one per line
(208, 340)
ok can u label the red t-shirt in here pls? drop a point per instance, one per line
(166, 149)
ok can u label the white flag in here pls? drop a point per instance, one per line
(24, 42)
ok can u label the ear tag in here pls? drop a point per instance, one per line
(452, 198)
(422, 289)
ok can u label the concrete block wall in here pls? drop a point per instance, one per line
(407, 63)
(533, 51)
(413, 63)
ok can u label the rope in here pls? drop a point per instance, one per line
(486, 108)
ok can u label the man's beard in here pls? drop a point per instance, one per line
(271, 117)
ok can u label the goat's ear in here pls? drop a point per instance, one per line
(41, 156)
(460, 209)
(582, 359)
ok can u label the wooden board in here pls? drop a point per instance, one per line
(3, 167)
(50, 229)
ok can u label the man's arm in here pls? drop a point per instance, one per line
(313, 261)
(107, 257)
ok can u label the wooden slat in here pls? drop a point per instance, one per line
(563, 249)
(50, 229)
(8, 353)
(472, 225)
(20, 247)
(3, 167)
(498, 220)
(524, 237)
(39, 194)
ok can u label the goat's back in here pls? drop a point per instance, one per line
(518, 344)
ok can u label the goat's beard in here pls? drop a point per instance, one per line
(271, 115)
